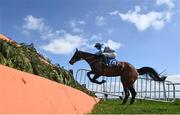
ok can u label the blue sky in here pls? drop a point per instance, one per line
(143, 32)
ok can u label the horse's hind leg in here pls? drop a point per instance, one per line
(133, 93)
(126, 95)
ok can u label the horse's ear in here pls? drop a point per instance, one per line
(76, 49)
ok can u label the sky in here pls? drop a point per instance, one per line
(143, 32)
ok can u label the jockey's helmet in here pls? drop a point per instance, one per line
(98, 46)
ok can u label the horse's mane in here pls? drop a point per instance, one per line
(89, 53)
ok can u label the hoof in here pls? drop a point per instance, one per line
(123, 103)
(132, 101)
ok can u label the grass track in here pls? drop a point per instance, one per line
(139, 107)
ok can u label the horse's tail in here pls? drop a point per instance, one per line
(151, 72)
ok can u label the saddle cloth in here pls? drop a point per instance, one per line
(112, 62)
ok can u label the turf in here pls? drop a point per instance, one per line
(139, 107)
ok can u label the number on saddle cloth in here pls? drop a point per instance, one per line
(112, 62)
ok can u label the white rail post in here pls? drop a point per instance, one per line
(164, 89)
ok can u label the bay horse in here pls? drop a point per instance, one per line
(128, 72)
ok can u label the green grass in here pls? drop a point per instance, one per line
(139, 107)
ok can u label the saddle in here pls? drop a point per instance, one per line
(109, 61)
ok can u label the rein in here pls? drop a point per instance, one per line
(93, 61)
(89, 57)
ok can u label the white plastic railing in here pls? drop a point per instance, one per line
(145, 87)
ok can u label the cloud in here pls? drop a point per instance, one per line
(77, 30)
(110, 31)
(114, 13)
(65, 44)
(75, 25)
(174, 78)
(96, 37)
(114, 45)
(142, 22)
(153, 19)
(82, 22)
(100, 21)
(168, 3)
(60, 41)
(51, 34)
(32, 23)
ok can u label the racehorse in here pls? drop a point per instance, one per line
(128, 72)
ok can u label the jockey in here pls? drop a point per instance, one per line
(108, 53)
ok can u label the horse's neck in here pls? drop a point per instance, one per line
(88, 57)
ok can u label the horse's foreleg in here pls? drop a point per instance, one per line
(88, 74)
(133, 93)
(95, 77)
(96, 81)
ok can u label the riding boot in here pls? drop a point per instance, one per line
(105, 60)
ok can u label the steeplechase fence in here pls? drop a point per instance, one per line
(145, 87)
